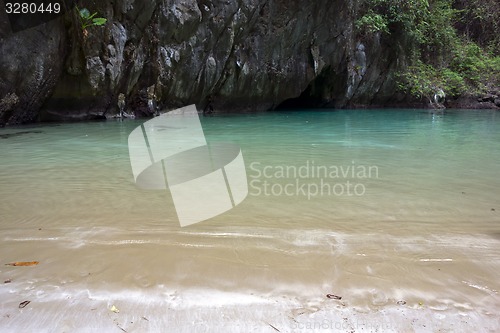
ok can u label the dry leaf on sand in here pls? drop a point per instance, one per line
(23, 263)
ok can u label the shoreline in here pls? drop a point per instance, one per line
(213, 311)
(435, 286)
(60, 118)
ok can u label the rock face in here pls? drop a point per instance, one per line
(239, 55)
(30, 66)
(489, 100)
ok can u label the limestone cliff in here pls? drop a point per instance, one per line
(239, 55)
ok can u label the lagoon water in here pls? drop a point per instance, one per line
(376, 206)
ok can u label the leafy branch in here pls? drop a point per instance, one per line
(88, 20)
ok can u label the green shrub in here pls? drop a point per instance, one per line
(439, 56)
(372, 22)
(390, 16)
(479, 69)
(88, 20)
(479, 21)
(423, 81)
(453, 83)
(419, 80)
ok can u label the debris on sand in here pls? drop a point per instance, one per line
(23, 263)
(277, 330)
(332, 296)
(22, 305)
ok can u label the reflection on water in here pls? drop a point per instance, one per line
(424, 228)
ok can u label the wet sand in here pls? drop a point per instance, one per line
(239, 281)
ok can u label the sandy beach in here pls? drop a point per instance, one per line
(120, 285)
(210, 311)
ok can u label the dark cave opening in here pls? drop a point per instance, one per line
(320, 93)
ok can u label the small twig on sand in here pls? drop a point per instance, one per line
(277, 330)
(332, 296)
(120, 328)
(22, 305)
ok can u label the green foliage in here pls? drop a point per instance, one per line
(88, 20)
(479, 21)
(419, 80)
(471, 70)
(372, 22)
(436, 35)
(439, 37)
(493, 69)
(452, 82)
(423, 81)
(393, 16)
(470, 61)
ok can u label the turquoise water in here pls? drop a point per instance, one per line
(425, 167)
(426, 205)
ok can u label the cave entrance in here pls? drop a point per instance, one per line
(319, 93)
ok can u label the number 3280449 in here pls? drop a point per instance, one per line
(32, 8)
